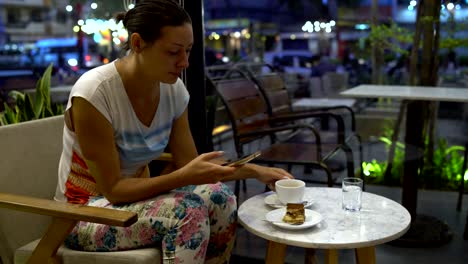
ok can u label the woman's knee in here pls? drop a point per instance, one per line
(193, 208)
(193, 228)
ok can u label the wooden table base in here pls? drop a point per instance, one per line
(365, 255)
(276, 253)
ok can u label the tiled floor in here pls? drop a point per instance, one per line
(251, 249)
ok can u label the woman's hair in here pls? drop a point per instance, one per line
(148, 17)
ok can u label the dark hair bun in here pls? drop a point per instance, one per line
(120, 17)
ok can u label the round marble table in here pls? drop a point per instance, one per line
(380, 220)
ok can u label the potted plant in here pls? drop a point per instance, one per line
(26, 108)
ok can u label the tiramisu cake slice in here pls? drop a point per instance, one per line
(295, 214)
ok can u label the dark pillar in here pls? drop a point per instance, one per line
(195, 77)
(414, 141)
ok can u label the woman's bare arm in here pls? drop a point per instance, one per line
(96, 139)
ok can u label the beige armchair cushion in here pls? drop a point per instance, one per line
(68, 256)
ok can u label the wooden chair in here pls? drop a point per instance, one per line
(250, 123)
(29, 158)
(279, 107)
(274, 88)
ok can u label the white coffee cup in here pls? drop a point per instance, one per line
(290, 190)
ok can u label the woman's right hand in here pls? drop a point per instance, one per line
(205, 169)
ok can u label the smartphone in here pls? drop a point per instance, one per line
(242, 161)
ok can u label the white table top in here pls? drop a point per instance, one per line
(305, 103)
(380, 220)
(408, 92)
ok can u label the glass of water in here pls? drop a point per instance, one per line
(352, 193)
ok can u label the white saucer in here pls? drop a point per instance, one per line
(273, 201)
(276, 218)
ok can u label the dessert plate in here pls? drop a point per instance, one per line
(276, 218)
(273, 201)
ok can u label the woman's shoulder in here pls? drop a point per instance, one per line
(100, 74)
(98, 77)
(101, 80)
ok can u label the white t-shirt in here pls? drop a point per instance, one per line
(136, 143)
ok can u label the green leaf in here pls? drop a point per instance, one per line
(3, 121)
(38, 100)
(48, 112)
(10, 115)
(29, 108)
(43, 92)
(57, 109)
(16, 95)
(20, 106)
(45, 85)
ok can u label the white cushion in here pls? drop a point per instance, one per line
(69, 256)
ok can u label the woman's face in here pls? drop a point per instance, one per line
(168, 56)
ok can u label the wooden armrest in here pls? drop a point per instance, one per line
(65, 217)
(67, 211)
(165, 157)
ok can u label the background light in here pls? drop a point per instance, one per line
(450, 6)
(72, 62)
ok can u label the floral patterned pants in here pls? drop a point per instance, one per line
(192, 224)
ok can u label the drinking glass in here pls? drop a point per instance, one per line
(352, 193)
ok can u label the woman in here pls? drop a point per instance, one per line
(122, 115)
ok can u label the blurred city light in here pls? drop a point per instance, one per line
(318, 26)
(450, 6)
(69, 8)
(94, 5)
(362, 26)
(73, 62)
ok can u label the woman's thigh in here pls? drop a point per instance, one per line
(170, 220)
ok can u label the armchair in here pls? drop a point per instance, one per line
(29, 158)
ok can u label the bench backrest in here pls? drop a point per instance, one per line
(29, 158)
(276, 94)
(246, 109)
